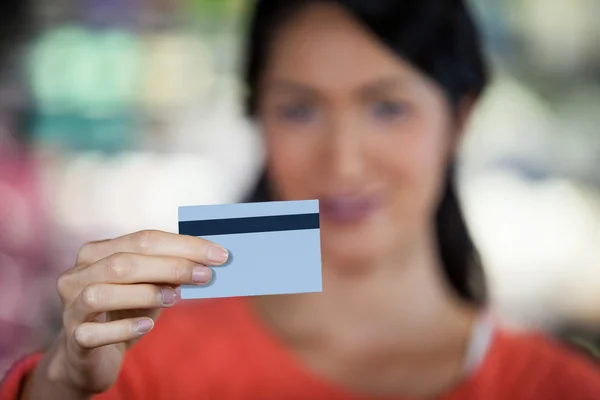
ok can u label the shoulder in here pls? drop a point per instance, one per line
(539, 346)
(541, 363)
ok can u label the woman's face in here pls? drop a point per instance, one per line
(348, 122)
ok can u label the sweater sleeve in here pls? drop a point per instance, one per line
(186, 352)
(131, 383)
(12, 384)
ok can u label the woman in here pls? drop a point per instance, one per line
(362, 104)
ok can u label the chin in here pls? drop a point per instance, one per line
(353, 252)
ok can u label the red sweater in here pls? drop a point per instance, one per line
(217, 349)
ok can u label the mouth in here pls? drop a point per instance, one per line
(348, 208)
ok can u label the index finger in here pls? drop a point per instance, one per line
(156, 243)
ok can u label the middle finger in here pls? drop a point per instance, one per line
(99, 298)
(128, 268)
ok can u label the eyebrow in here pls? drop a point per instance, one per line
(289, 86)
(382, 85)
(369, 89)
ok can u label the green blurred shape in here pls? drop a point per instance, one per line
(212, 9)
(72, 132)
(107, 73)
(50, 66)
(96, 73)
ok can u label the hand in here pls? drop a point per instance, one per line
(113, 296)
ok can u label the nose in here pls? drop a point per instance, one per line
(344, 155)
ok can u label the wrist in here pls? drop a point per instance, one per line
(49, 380)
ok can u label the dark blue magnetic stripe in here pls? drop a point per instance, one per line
(275, 223)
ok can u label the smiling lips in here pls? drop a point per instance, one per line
(348, 208)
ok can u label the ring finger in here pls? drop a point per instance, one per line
(101, 297)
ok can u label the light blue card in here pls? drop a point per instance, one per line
(274, 247)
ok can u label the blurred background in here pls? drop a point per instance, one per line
(115, 112)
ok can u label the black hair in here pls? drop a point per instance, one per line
(17, 26)
(15, 23)
(440, 38)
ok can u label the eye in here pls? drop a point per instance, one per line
(389, 109)
(297, 112)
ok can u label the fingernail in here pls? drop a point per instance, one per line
(169, 296)
(144, 325)
(217, 254)
(201, 274)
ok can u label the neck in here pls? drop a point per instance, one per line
(398, 305)
(395, 329)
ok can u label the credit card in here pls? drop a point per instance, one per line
(274, 247)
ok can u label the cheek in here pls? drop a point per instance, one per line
(416, 164)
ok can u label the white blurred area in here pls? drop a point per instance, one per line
(537, 229)
(92, 191)
(540, 245)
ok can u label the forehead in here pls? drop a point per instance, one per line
(324, 46)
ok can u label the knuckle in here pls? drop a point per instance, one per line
(85, 254)
(83, 337)
(129, 328)
(117, 266)
(151, 297)
(93, 296)
(179, 271)
(64, 285)
(144, 239)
